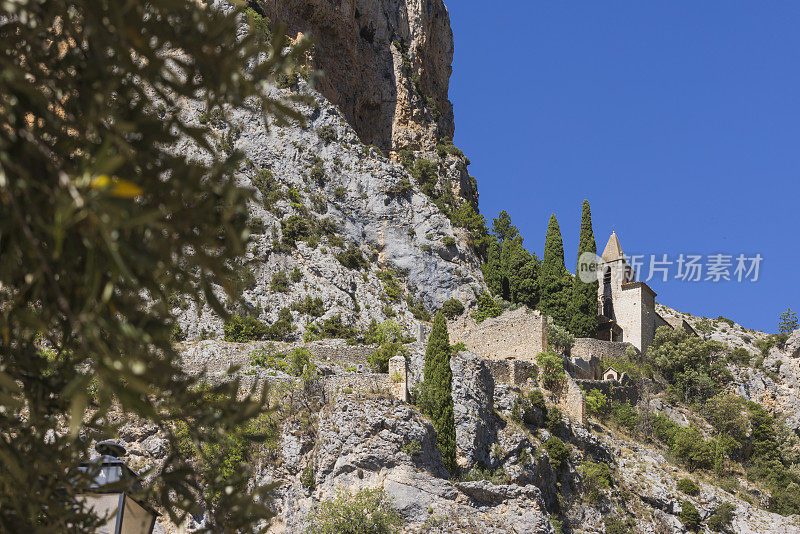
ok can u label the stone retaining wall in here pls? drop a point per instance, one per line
(614, 390)
(586, 354)
(520, 334)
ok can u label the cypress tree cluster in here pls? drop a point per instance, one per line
(583, 306)
(555, 283)
(511, 271)
(437, 399)
(516, 275)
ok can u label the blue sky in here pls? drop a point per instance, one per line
(678, 121)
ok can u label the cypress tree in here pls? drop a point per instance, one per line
(583, 306)
(438, 402)
(520, 270)
(492, 269)
(554, 280)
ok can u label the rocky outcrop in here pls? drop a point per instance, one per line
(473, 396)
(367, 201)
(382, 443)
(385, 63)
(773, 382)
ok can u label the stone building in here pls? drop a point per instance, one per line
(627, 307)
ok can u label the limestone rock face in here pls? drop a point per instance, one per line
(382, 443)
(350, 186)
(473, 396)
(386, 64)
(793, 344)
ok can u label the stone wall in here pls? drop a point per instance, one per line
(398, 376)
(512, 372)
(572, 402)
(218, 356)
(586, 355)
(614, 390)
(367, 383)
(520, 334)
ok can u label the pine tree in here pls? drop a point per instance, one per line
(502, 227)
(583, 306)
(554, 280)
(437, 388)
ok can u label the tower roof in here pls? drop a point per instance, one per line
(613, 250)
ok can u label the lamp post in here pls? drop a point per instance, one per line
(105, 496)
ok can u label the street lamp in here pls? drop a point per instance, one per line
(126, 514)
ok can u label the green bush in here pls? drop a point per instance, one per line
(625, 415)
(295, 363)
(352, 258)
(689, 446)
(296, 275)
(452, 308)
(558, 337)
(339, 192)
(310, 306)
(388, 331)
(258, 24)
(307, 478)
(524, 406)
(317, 173)
(401, 188)
(282, 327)
(448, 148)
(479, 472)
(740, 356)
(279, 282)
(721, 518)
(554, 419)
(487, 307)
(241, 329)
(295, 228)
(551, 370)
(694, 368)
(418, 309)
(178, 334)
(390, 284)
(367, 511)
(664, 428)
(596, 403)
(688, 486)
(379, 360)
(269, 188)
(618, 525)
(331, 328)
(689, 515)
(327, 134)
(557, 452)
(425, 172)
(596, 479)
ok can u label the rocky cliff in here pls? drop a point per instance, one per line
(385, 64)
(333, 218)
(351, 223)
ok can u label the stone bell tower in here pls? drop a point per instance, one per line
(626, 307)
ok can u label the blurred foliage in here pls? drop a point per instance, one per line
(102, 220)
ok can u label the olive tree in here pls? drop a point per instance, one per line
(102, 220)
